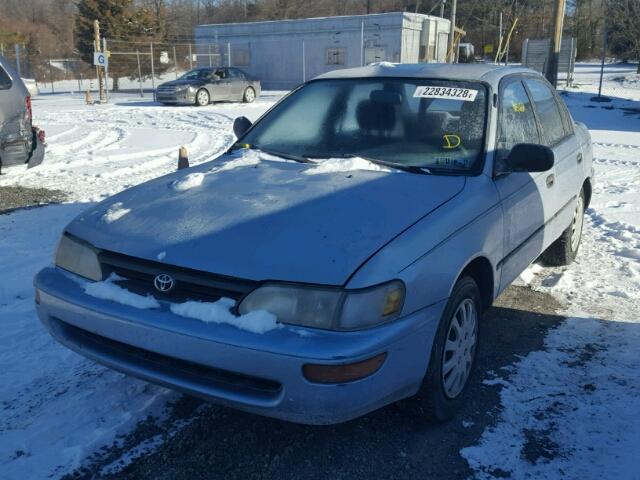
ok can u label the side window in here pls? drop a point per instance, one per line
(517, 122)
(548, 110)
(5, 81)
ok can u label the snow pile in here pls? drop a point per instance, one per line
(57, 406)
(258, 321)
(115, 212)
(343, 165)
(187, 182)
(571, 410)
(107, 290)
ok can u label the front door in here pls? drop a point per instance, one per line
(557, 133)
(527, 198)
(221, 85)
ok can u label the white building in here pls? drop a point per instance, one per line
(284, 53)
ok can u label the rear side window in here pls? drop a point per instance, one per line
(517, 121)
(548, 110)
(5, 81)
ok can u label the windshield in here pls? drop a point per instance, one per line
(198, 74)
(413, 123)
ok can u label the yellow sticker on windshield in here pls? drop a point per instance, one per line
(451, 140)
(518, 107)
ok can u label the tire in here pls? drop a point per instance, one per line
(564, 250)
(202, 98)
(446, 381)
(249, 95)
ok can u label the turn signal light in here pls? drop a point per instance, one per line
(343, 373)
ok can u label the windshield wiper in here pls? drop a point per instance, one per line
(397, 166)
(288, 156)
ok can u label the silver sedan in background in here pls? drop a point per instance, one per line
(202, 86)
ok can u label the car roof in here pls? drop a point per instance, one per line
(485, 72)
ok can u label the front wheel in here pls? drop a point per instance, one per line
(202, 97)
(453, 353)
(249, 95)
(565, 249)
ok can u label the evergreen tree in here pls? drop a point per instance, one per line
(123, 25)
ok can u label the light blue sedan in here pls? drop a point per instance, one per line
(340, 255)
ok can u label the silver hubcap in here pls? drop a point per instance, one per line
(203, 97)
(249, 95)
(576, 225)
(459, 348)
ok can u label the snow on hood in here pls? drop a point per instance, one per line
(115, 212)
(263, 218)
(332, 165)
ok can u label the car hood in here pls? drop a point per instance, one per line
(258, 218)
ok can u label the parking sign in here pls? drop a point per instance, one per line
(100, 59)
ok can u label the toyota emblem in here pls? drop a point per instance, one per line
(164, 283)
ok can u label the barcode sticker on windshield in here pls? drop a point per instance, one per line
(451, 93)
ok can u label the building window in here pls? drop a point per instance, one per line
(335, 56)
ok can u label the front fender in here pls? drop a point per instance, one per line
(430, 256)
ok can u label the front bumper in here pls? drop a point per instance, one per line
(221, 363)
(180, 96)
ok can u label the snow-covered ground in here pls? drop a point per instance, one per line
(579, 397)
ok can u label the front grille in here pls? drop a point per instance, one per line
(167, 89)
(138, 275)
(196, 374)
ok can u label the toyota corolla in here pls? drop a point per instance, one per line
(339, 256)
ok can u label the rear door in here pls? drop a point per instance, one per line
(238, 84)
(528, 199)
(557, 133)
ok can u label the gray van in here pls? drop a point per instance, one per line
(16, 133)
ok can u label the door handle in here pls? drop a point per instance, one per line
(551, 179)
(579, 158)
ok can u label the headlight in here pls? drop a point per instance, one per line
(329, 308)
(79, 258)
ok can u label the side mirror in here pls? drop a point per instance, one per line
(529, 157)
(241, 125)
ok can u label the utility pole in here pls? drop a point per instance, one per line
(452, 32)
(556, 41)
(96, 47)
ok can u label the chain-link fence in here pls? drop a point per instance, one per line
(133, 67)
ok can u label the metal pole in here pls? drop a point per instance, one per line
(17, 49)
(304, 70)
(210, 55)
(499, 37)
(153, 72)
(96, 44)
(175, 62)
(452, 32)
(604, 52)
(556, 42)
(51, 77)
(106, 69)
(139, 73)
(442, 8)
(362, 44)
(190, 58)
(2, 49)
(228, 54)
